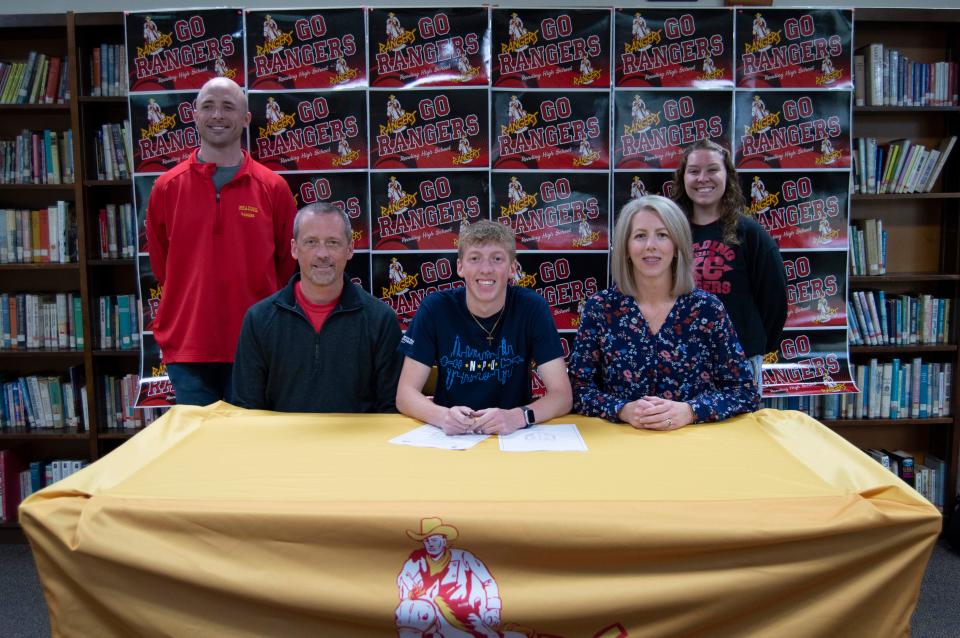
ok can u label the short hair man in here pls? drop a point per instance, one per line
(321, 344)
(218, 227)
(483, 337)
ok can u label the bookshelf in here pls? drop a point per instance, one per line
(923, 255)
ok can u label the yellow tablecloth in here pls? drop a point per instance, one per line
(219, 521)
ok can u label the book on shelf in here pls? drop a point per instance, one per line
(19, 480)
(119, 322)
(118, 397)
(117, 231)
(912, 383)
(26, 158)
(38, 236)
(108, 74)
(10, 468)
(900, 166)
(36, 80)
(111, 151)
(50, 321)
(888, 77)
(859, 88)
(42, 402)
(903, 320)
(868, 247)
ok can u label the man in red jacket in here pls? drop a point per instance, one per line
(218, 232)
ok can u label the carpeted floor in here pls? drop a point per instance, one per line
(23, 613)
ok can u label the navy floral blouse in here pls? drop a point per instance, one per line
(695, 357)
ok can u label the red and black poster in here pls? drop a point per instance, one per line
(347, 190)
(163, 130)
(792, 129)
(425, 210)
(358, 269)
(553, 213)
(309, 130)
(537, 388)
(303, 49)
(181, 50)
(816, 288)
(652, 128)
(142, 185)
(551, 49)
(150, 292)
(794, 48)
(439, 128)
(565, 280)
(628, 185)
(799, 210)
(809, 362)
(550, 130)
(670, 48)
(402, 279)
(155, 390)
(428, 47)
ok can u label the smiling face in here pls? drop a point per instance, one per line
(322, 249)
(651, 248)
(221, 114)
(486, 270)
(705, 179)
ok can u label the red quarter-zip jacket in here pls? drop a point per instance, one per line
(215, 256)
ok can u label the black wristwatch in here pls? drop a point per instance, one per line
(528, 416)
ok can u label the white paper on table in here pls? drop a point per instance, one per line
(544, 438)
(432, 436)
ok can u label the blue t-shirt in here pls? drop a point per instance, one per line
(472, 371)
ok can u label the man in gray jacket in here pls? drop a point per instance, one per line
(320, 344)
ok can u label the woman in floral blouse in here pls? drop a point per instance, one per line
(652, 350)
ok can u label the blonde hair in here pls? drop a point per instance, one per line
(678, 228)
(485, 232)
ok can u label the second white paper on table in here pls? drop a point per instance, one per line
(544, 438)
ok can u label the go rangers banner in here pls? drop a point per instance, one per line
(537, 387)
(816, 288)
(142, 184)
(163, 130)
(309, 131)
(416, 121)
(651, 128)
(346, 190)
(809, 362)
(792, 129)
(794, 48)
(429, 129)
(358, 269)
(551, 129)
(799, 210)
(550, 213)
(401, 280)
(424, 210)
(663, 48)
(155, 389)
(173, 51)
(565, 280)
(629, 185)
(151, 290)
(418, 48)
(551, 49)
(305, 50)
